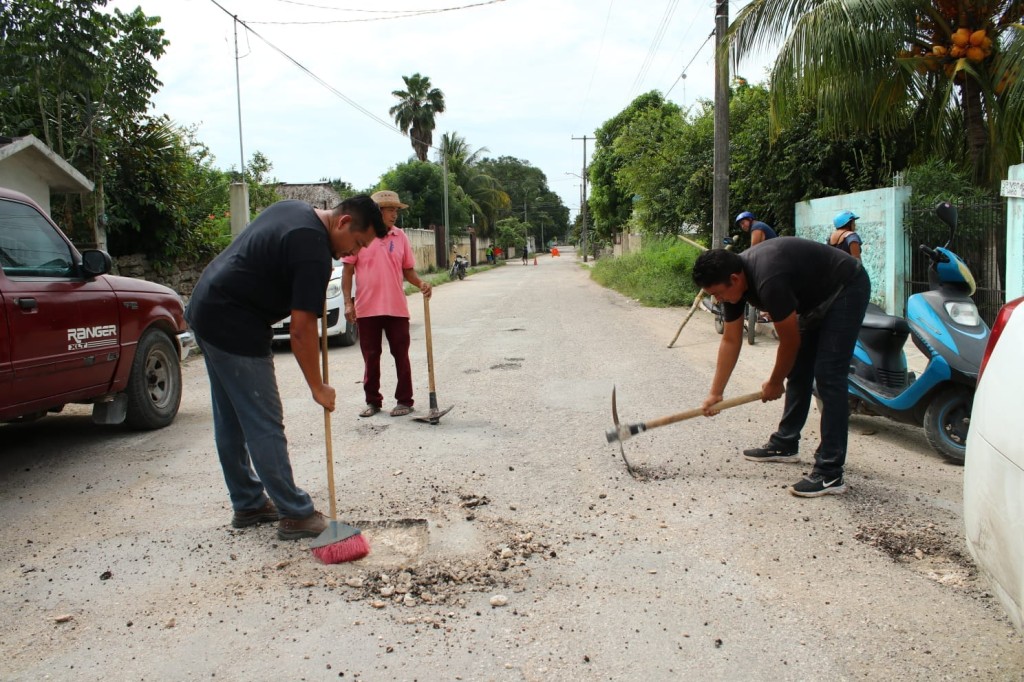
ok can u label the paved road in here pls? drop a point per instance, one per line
(118, 562)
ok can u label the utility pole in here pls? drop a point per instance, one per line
(583, 199)
(239, 191)
(720, 187)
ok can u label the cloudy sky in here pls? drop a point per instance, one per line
(520, 77)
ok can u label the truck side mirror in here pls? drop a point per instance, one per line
(95, 262)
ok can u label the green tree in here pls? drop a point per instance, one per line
(262, 192)
(511, 232)
(81, 80)
(609, 203)
(485, 196)
(416, 110)
(529, 196)
(420, 184)
(946, 69)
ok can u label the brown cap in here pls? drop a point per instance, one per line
(387, 199)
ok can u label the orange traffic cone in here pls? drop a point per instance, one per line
(534, 260)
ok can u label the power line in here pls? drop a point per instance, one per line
(597, 62)
(351, 102)
(396, 14)
(682, 74)
(666, 18)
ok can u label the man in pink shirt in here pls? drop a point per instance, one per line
(380, 307)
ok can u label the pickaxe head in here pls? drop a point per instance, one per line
(619, 434)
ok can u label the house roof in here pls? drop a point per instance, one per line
(60, 175)
(319, 194)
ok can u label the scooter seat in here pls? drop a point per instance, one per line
(876, 318)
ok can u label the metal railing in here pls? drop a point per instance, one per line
(980, 241)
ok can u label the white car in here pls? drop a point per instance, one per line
(338, 328)
(994, 464)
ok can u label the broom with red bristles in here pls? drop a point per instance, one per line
(339, 542)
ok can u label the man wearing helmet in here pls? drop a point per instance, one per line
(758, 231)
(845, 237)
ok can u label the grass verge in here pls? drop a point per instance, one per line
(658, 275)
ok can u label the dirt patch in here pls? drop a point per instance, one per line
(448, 581)
(931, 546)
(507, 365)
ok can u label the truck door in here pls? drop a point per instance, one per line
(6, 372)
(64, 329)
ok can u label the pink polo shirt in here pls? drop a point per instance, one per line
(380, 282)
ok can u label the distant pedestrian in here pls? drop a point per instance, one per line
(845, 237)
(525, 253)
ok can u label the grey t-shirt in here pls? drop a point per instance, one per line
(791, 274)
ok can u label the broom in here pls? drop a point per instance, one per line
(339, 542)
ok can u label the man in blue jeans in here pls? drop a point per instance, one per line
(817, 296)
(280, 265)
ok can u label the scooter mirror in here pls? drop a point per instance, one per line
(947, 213)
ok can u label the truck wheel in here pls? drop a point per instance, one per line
(947, 420)
(154, 386)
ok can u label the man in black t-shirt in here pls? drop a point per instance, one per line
(817, 296)
(280, 265)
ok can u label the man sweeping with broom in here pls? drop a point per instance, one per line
(279, 265)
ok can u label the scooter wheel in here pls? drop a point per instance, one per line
(719, 324)
(947, 420)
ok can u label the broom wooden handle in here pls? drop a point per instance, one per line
(697, 412)
(693, 308)
(328, 440)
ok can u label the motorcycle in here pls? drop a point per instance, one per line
(751, 315)
(458, 269)
(945, 325)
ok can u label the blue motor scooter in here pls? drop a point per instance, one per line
(945, 325)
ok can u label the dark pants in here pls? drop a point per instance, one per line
(824, 359)
(396, 329)
(248, 427)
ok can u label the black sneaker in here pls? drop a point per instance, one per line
(771, 453)
(816, 486)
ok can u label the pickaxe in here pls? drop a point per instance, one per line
(622, 432)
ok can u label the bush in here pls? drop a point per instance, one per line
(658, 275)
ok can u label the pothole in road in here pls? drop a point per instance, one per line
(645, 472)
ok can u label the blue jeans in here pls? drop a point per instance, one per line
(824, 359)
(248, 427)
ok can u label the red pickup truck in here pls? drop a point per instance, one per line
(71, 333)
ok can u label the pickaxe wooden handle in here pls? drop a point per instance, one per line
(627, 431)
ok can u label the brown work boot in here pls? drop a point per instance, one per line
(265, 514)
(296, 529)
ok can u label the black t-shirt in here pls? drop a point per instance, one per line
(281, 262)
(791, 274)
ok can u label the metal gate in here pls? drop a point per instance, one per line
(980, 240)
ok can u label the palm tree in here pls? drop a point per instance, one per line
(483, 192)
(414, 114)
(946, 69)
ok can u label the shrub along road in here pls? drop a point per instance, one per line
(542, 558)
